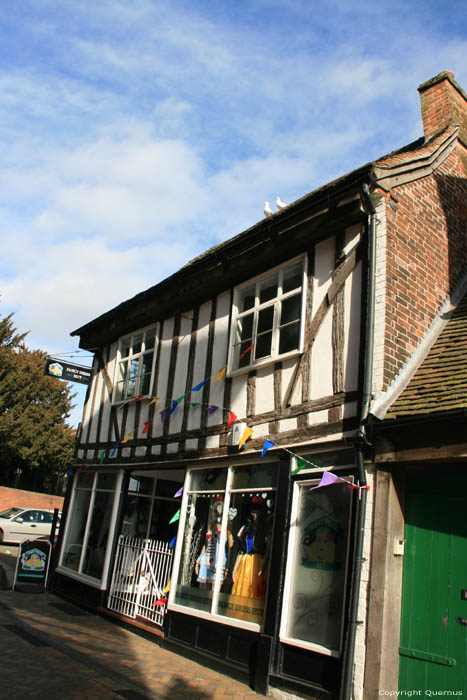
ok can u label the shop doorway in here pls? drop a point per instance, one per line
(143, 561)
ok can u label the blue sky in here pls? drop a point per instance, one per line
(136, 135)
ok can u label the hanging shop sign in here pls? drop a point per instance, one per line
(70, 372)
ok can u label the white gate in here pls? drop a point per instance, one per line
(141, 573)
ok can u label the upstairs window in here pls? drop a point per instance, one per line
(268, 316)
(135, 364)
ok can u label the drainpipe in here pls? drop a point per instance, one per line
(360, 442)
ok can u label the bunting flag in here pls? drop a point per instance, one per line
(175, 517)
(70, 472)
(328, 479)
(115, 448)
(101, 456)
(200, 385)
(146, 426)
(179, 492)
(195, 405)
(267, 445)
(161, 601)
(156, 398)
(163, 414)
(246, 435)
(139, 397)
(232, 418)
(167, 588)
(220, 374)
(128, 437)
(172, 541)
(211, 409)
(300, 462)
(245, 352)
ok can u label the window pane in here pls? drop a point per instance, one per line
(125, 347)
(293, 277)
(150, 340)
(208, 479)
(289, 338)
(122, 371)
(134, 369)
(145, 379)
(119, 393)
(141, 484)
(263, 345)
(291, 308)
(254, 477)
(137, 343)
(318, 561)
(106, 481)
(74, 542)
(268, 289)
(244, 328)
(85, 480)
(265, 319)
(247, 551)
(201, 553)
(246, 299)
(98, 532)
(136, 516)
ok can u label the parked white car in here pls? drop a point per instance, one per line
(18, 524)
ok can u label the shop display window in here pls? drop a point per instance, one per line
(223, 562)
(90, 523)
(149, 506)
(314, 594)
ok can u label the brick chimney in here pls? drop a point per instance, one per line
(443, 102)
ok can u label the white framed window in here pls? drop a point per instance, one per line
(316, 571)
(90, 525)
(268, 316)
(224, 543)
(135, 364)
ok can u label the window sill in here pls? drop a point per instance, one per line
(264, 363)
(95, 583)
(223, 620)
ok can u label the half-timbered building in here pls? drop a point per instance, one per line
(224, 481)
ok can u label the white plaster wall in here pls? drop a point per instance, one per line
(219, 358)
(199, 366)
(181, 365)
(380, 298)
(321, 354)
(111, 368)
(265, 389)
(161, 389)
(352, 315)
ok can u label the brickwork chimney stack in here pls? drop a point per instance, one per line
(443, 102)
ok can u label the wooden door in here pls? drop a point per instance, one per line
(433, 645)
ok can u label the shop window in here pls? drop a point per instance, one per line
(91, 519)
(314, 594)
(149, 506)
(268, 316)
(223, 562)
(135, 364)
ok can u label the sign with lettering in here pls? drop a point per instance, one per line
(32, 565)
(70, 372)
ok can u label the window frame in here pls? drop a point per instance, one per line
(232, 370)
(120, 360)
(228, 492)
(294, 532)
(101, 582)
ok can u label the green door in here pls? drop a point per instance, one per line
(433, 645)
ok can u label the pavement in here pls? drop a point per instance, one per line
(53, 650)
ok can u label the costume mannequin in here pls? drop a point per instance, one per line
(205, 568)
(249, 575)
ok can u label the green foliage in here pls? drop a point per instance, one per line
(36, 445)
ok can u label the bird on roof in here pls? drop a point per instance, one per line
(280, 203)
(267, 209)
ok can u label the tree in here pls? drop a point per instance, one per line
(36, 445)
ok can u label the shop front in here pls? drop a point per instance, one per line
(260, 578)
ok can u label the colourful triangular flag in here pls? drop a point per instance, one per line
(195, 405)
(220, 374)
(139, 397)
(211, 409)
(200, 385)
(101, 456)
(115, 448)
(156, 398)
(246, 435)
(161, 601)
(163, 414)
(266, 446)
(328, 479)
(232, 418)
(179, 492)
(175, 517)
(300, 462)
(167, 588)
(128, 437)
(245, 352)
(146, 426)
(172, 541)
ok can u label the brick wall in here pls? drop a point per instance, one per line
(17, 497)
(426, 254)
